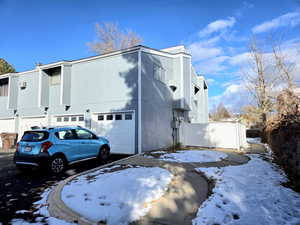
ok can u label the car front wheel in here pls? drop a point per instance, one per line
(58, 164)
(104, 153)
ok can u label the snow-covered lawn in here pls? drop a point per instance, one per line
(117, 197)
(249, 194)
(42, 209)
(200, 156)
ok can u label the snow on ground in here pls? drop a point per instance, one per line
(117, 197)
(254, 140)
(249, 194)
(200, 156)
(42, 209)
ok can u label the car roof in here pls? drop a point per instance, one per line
(56, 128)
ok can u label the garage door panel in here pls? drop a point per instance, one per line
(119, 132)
(29, 123)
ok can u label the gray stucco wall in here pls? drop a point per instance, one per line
(157, 103)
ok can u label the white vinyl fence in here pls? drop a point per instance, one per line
(214, 135)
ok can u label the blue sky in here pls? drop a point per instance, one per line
(215, 32)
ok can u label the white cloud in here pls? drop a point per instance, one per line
(216, 26)
(291, 19)
(234, 97)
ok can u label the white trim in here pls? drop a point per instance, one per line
(59, 115)
(166, 54)
(127, 51)
(61, 84)
(81, 160)
(140, 102)
(8, 92)
(182, 82)
(29, 71)
(36, 116)
(40, 89)
(112, 112)
(7, 118)
(27, 163)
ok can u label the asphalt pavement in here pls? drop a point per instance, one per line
(19, 190)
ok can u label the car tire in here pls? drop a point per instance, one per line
(58, 164)
(104, 153)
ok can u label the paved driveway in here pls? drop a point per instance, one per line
(19, 190)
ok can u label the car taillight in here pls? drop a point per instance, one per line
(45, 146)
(17, 147)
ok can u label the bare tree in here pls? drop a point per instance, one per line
(260, 80)
(110, 38)
(220, 113)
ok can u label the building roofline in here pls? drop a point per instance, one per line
(113, 53)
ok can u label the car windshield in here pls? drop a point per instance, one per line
(35, 136)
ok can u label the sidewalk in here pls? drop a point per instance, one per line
(179, 205)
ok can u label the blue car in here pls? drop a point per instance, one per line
(58, 147)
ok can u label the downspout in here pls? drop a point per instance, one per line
(139, 101)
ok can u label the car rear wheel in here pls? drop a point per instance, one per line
(104, 153)
(58, 164)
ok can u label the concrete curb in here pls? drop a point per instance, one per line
(58, 209)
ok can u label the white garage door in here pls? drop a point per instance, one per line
(6, 125)
(118, 128)
(27, 123)
(68, 120)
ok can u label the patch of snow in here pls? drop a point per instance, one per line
(22, 211)
(117, 197)
(249, 194)
(42, 209)
(199, 156)
(158, 152)
(254, 140)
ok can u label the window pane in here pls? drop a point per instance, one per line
(119, 117)
(4, 87)
(83, 134)
(128, 116)
(65, 135)
(100, 117)
(109, 117)
(32, 136)
(66, 119)
(73, 118)
(58, 119)
(81, 118)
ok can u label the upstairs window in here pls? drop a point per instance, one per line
(54, 75)
(4, 87)
(159, 73)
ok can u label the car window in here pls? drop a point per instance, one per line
(35, 136)
(84, 134)
(66, 135)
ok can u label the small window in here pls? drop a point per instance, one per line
(54, 75)
(65, 135)
(100, 117)
(4, 87)
(119, 117)
(58, 119)
(159, 73)
(73, 118)
(66, 119)
(196, 90)
(80, 118)
(128, 116)
(109, 117)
